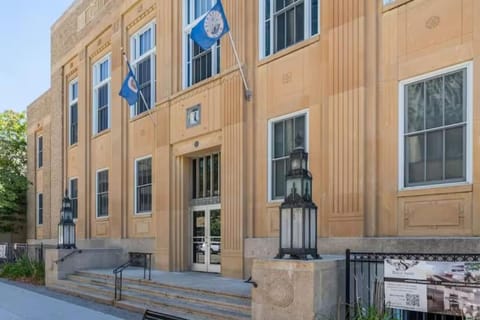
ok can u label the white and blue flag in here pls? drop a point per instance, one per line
(211, 28)
(129, 89)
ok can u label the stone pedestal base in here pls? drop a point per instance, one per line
(297, 289)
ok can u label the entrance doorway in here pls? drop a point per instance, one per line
(206, 238)
(205, 207)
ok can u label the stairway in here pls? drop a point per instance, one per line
(140, 294)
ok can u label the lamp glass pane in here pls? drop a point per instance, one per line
(307, 191)
(313, 228)
(295, 163)
(297, 235)
(72, 234)
(60, 234)
(295, 183)
(286, 228)
(66, 234)
(306, 236)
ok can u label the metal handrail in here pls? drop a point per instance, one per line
(119, 279)
(118, 271)
(67, 256)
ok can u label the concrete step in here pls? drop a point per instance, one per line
(140, 308)
(110, 278)
(82, 293)
(160, 303)
(139, 294)
(226, 302)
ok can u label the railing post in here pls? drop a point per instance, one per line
(347, 284)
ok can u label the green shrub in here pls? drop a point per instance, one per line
(371, 313)
(24, 269)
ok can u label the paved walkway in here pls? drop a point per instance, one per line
(195, 280)
(19, 303)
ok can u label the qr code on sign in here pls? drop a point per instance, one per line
(413, 300)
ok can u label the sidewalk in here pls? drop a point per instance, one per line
(17, 303)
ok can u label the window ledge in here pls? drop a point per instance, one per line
(142, 115)
(143, 215)
(104, 132)
(73, 146)
(289, 50)
(274, 203)
(102, 218)
(436, 189)
(393, 5)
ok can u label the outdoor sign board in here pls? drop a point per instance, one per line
(451, 288)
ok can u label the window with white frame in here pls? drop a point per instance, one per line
(73, 112)
(286, 22)
(101, 95)
(199, 64)
(40, 208)
(285, 134)
(143, 185)
(435, 138)
(143, 55)
(39, 152)
(74, 197)
(102, 193)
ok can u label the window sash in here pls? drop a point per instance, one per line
(74, 197)
(270, 18)
(143, 50)
(143, 185)
(282, 142)
(199, 64)
(40, 152)
(40, 208)
(428, 128)
(102, 193)
(73, 123)
(101, 94)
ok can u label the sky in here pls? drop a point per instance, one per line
(25, 49)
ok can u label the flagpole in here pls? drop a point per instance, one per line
(140, 91)
(248, 92)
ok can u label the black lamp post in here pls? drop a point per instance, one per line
(66, 226)
(298, 214)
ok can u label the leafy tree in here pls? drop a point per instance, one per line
(13, 164)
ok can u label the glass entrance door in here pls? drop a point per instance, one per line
(206, 238)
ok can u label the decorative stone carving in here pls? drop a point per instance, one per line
(432, 22)
(279, 292)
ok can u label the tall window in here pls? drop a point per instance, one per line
(102, 193)
(40, 152)
(40, 208)
(286, 22)
(206, 176)
(143, 62)
(435, 136)
(101, 95)
(74, 197)
(285, 134)
(143, 185)
(73, 111)
(199, 64)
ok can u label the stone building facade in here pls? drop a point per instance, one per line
(381, 93)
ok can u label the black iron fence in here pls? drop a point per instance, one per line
(365, 283)
(11, 252)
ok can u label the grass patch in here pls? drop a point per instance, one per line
(24, 270)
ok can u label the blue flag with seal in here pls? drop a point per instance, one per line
(129, 89)
(211, 28)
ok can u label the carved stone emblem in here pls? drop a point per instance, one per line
(432, 22)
